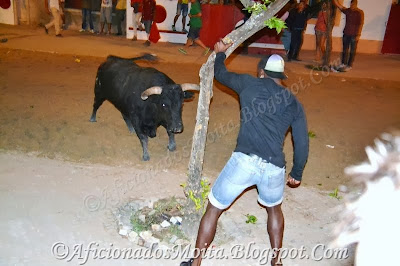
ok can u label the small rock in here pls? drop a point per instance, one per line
(176, 220)
(165, 224)
(173, 239)
(152, 213)
(142, 218)
(123, 232)
(156, 227)
(133, 237)
(151, 203)
(343, 189)
(148, 241)
(146, 234)
(173, 220)
(152, 243)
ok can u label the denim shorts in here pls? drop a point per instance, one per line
(243, 171)
(182, 8)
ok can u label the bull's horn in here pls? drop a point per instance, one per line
(190, 87)
(151, 91)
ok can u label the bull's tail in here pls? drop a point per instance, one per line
(146, 56)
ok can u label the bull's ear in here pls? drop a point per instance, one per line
(188, 94)
(151, 91)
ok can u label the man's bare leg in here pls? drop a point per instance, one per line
(199, 42)
(207, 228)
(183, 23)
(275, 225)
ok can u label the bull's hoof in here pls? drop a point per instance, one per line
(171, 147)
(146, 158)
(93, 119)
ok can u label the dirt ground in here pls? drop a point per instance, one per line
(52, 158)
(46, 102)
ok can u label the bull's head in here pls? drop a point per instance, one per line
(170, 103)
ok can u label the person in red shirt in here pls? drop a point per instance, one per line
(320, 32)
(137, 17)
(148, 13)
(351, 32)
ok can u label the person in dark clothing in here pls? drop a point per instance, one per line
(267, 111)
(297, 22)
(351, 32)
(148, 13)
(87, 14)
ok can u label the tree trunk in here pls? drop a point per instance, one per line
(238, 36)
(329, 28)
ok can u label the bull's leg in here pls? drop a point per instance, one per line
(144, 141)
(171, 143)
(97, 103)
(129, 123)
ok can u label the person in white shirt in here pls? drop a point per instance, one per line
(105, 15)
(53, 7)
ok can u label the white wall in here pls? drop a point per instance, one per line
(376, 13)
(7, 15)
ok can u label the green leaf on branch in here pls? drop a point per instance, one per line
(256, 8)
(276, 23)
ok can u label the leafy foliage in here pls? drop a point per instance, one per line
(272, 23)
(335, 194)
(201, 201)
(276, 23)
(251, 219)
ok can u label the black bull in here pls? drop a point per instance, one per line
(146, 98)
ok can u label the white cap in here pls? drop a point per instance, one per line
(276, 65)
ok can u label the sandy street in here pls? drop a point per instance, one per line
(62, 177)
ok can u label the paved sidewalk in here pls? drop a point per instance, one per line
(384, 67)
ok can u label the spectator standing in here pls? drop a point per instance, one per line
(137, 17)
(182, 7)
(297, 22)
(195, 27)
(105, 15)
(87, 14)
(351, 32)
(286, 34)
(320, 32)
(120, 11)
(53, 7)
(149, 10)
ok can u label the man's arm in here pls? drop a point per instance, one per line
(300, 139)
(338, 5)
(229, 79)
